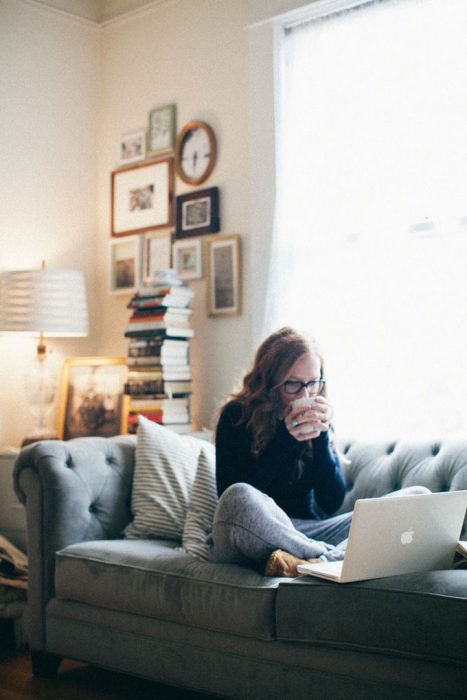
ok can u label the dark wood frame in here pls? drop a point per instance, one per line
(213, 226)
(120, 173)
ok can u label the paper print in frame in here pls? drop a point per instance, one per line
(132, 147)
(142, 197)
(125, 265)
(188, 259)
(198, 213)
(161, 129)
(223, 269)
(157, 253)
(91, 397)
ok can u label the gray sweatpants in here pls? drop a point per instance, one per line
(248, 526)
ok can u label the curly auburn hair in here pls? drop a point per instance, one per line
(260, 396)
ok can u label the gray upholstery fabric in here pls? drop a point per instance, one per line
(351, 641)
(73, 491)
(239, 667)
(379, 468)
(421, 614)
(154, 578)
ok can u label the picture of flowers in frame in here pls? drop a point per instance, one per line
(223, 272)
(161, 129)
(157, 253)
(125, 262)
(132, 146)
(198, 213)
(91, 397)
(188, 259)
(142, 197)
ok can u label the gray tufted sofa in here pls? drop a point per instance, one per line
(146, 608)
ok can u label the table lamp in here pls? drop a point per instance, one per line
(51, 303)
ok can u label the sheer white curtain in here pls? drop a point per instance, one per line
(369, 251)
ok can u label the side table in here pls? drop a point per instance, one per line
(12, 512)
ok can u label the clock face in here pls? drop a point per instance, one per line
(196, 152)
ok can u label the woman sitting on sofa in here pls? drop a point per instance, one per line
(279, 478)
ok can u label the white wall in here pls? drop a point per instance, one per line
(49, 68)
(69, 89)
(194, 54)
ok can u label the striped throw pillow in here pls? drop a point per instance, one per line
(198, 522)
(165, 468)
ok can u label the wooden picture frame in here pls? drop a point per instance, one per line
(125, 265)
(188, 259)
(142, 197)
(132, 147)
(157, 254)
(161, 129)
(198, 213)
(223, 273)
(91, 397)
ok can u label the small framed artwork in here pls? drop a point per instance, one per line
(157, 253)
(188, 259)
(142, 197)
(132, 147)
(125, 261)
(91, 397)
(161, 129)
(198, 213)
(223, 271)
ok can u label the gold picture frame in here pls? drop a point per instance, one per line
(142, 197)
(91, 397)
(223, 275)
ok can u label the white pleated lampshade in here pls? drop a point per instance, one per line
(48, 301)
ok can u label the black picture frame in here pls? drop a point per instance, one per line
(198, 213)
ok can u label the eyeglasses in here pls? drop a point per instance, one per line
(292, 386)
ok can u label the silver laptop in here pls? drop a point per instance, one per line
(398, 535)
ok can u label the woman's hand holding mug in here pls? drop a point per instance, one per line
(308, 417)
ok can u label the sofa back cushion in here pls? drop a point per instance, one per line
(165, 468)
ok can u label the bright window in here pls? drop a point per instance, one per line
(370, 240)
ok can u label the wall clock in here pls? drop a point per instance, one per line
(195, 152)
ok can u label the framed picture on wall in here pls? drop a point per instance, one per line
(157, 253)
(91, 397)
(132, 147)
(198, 213)
(161, 129)
(142, 197)
(188, 259)
(125, 264)
(223, 272)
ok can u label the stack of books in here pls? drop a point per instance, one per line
(159, 374)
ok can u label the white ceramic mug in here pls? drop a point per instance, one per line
(304, 402)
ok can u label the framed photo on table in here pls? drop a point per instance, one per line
(188, 259)
(223, 271)
(161, 129)
(91, 397)
(198, 213)
(142, 197)
(125, 265)
(157, 253)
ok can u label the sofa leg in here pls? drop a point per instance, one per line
(44, 665)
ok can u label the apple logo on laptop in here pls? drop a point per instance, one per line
(407, 536)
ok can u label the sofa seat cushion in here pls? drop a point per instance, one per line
(157, 579)
(422, 614)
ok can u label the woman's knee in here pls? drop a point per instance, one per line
(237, 498)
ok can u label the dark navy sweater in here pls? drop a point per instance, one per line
(274, 471)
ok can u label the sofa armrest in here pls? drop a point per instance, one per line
(73, 492)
